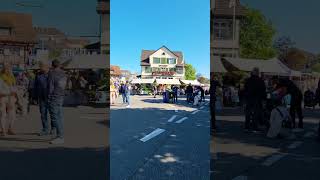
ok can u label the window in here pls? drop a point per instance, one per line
(164, 61)
(223, 29)
(147, 69)
(156, 60)
(171, 60)
(180, 70)
(172, 69)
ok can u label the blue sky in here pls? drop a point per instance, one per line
(295, 18)
(181, 25)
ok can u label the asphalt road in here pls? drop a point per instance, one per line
(246, 156)
(152, 140)
(83, 156)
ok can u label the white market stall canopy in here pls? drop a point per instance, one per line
(97, 61)
(271, 66)
(192, 82)
(217, 65)
(168, 81)
(142, 81)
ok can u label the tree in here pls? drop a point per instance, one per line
(203, 80)
(256, 36)
(283, 45)
(190, 72)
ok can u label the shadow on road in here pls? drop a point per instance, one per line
(55, 163)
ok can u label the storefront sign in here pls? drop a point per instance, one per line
(164, 73)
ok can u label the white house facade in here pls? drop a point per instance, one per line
(162, 64)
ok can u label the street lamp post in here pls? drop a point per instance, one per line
(233, 4)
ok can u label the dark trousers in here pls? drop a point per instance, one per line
(296, 107)
(213, 114)
(175, 97)
(202, 98)
(253, 113)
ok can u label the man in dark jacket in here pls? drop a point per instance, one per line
(41, 95)
(296, 100)
(213, 88)
(57, 81)
(189, 92)
(255, 93)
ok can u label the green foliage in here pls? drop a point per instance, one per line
(256, 36)
(190, 72)
(53, 54)
(203, 80)
(316, 68)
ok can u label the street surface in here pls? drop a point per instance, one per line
(236, 155)
(152, 140)
(84, 156)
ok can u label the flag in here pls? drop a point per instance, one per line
(232, 3)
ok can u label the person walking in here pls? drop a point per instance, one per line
(41, 95)
(8, 99)
(295, 102)
(112, 93)
(214, 84)
(155, 90)
(175, 94)
(202, 94)
(189, 92)
(255, 94)
(56, 91)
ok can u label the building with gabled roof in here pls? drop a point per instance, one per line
(162, 64)
(222, 13)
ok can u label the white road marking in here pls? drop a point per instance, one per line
(152, 135)
(172, 118)
(201, 107)
(294, 145)
(181, 120)
(308, 134)
(271, 160)
(240, 178)
(176, 110)
(194, 112)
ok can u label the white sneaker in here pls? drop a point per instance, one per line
(57, 141)
(127, 106)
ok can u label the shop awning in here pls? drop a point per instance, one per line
(142, 81)
(168, 81)
(192, 82)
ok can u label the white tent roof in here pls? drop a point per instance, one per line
(168, 81)
(98, 61)
(192, 82)
(217, 66)
(271, 66)
(142, 81)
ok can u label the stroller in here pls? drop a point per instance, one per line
(309, 99)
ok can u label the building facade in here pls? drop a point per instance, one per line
(103, 9)
(162, 64)
(223, 41)
(17, 38)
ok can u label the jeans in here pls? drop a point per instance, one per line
(189, 95)
(44, 108)
(253, 115)
(127, 96)
(56, 114)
